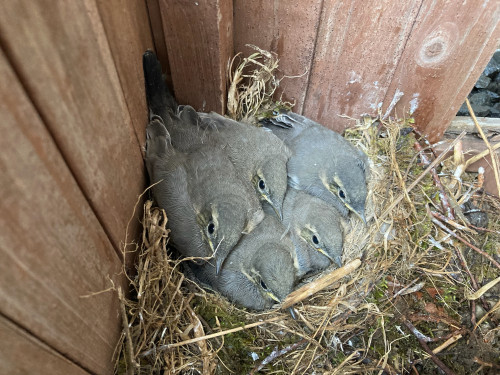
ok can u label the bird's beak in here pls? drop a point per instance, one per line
(361, 215)
(277, 207)
(291, 310)
(272, 296)
(218, 266)
(338, 261)
(325, 254)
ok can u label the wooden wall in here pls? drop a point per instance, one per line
(73, 113)
(352, 57)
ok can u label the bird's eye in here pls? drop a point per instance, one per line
(315, 239)
(341, 194)
(263, 285)
(262, 184)
(211, 228)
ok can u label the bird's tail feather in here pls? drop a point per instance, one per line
(160, 99)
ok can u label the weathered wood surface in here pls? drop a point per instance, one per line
(21, 354)
(353, 57)
(62, 56)
(199, 38)
(129, 34)
(285, 28)
(449, 46)
(357, 50)
(54, 250)
(159, 38)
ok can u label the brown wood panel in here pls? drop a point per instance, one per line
(159, 38)
(129, 34)
(53, 249)
(287, 28)
(199, 38)
(451, 43)
(61, 54)
(21, 353)
(358, 47)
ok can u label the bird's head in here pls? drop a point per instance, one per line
(270, 182)
(273, 271)
(223, 224)
(349, 186)
(326, 237)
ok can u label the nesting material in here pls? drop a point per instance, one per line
(411, 274)
(415, 294)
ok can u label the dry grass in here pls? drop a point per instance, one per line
(415, 293)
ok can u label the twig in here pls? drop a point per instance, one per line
(129, 353)
(211, 336)
(442, 194)
(492, 153)
(421, 339)
(275, 354)
(468, 244)
(481, 155)
(454, 338)
(451, 222)
(421, 176)
(319, 284)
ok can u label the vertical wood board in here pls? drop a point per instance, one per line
(129, 35)
(358, 47)
(449, 47)
(287, 28)
(62, 56)
(199, 38)
(53, 249)
(21, 353)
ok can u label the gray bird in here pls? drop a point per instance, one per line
(258, 156)
(208, 207)
(315, 230)
(259, 272)
(323, 163)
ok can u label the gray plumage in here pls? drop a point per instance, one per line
(259, 157)
(259, 272)
(208, 207)
(315, 230)
(323, 163)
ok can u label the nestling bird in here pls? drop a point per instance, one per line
(259, 157)
(315, 230)
(323, 163)
(208, 207)
(259, 272)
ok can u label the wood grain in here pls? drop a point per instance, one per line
(449, 47)
(159, 38)
(61, 54)
(129, 35)
(53, 249)
(287, 28)
(21, 353)
(199, 38)
(358, 48)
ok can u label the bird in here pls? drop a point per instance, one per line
(315, 230)
(260, 271)
(208, 207)
(323, 163)
(259, 157)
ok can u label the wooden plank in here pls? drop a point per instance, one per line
(129, 34)
(358, 47)
(287, 28)
(21, 353)
(159, 38)
(199, 38)
(461, 123)
(451, 43)
(60, 52)
(53, 249)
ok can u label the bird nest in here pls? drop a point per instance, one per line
(414, 294)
